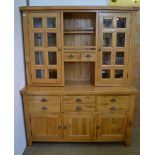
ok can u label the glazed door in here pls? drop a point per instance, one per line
(111, 127)
(113, 48)
(78, 126)
(46, 126)
(45, 47)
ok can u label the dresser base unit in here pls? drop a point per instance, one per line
(79, 114)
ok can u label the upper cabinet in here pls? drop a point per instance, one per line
(113, 48)
(45, 47)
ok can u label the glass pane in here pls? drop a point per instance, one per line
(119, 73)
(120, 39)
(119, 58)
(51, 22)
(52, 58)
(37, 22)
(106, 73)
(39, 73)
(39, 58)
(38, 39)
(107, 39)
(106, 58)
(52, 74)
(107, 23)
(51, 39)
(121, 22)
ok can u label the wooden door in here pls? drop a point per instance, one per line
(111, 127)
(46, 126)
(113, 48)
(45, 47)
(78, 126)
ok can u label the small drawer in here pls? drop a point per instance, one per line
(88, 56)
(44, 104)
(44, 99)
(70, 56)
(112, 104)
(78, 99)
(78, 107)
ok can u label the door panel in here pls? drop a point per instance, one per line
(45, 47)
(111, 127)
(113, 52)
(78, 126)
(46, 126)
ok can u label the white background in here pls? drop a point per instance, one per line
(7, 77)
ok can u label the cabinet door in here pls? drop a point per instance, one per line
(111, 127)
(113, 52)
(78, 126)
(46, 126)
(45, 47)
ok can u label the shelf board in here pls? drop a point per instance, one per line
(78, 32)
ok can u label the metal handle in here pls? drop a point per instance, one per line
(78, 100)
(113, 108)
(78, 108)
(99, 50)
(43, 100)
(65, 127)
(59, 127)
(113, 100)
(71, 56)
(114, 0)
(44, 108)
(88, 56)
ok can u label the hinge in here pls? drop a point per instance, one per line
(127, 75)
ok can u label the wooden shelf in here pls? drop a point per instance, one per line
(78, 32)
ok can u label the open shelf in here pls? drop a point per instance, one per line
(79, 29)
(79, 73)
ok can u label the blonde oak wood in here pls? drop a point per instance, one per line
(79, 105)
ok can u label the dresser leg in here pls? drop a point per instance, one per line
(29, 143)
(128, 142)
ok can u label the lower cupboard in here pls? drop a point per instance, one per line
(78, 126)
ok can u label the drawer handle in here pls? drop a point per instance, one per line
(78, 100)
(78, 108)
(114, 1)
(113, 108)
(71, 56)
(43, 100)
(59, 127)
(88, 56)
(113, 100)
(65, 127)
(44, 108)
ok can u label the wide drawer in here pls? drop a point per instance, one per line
(78, 99)
(44, 103)
(88, 56)
(112, 103)
(78, 107)
(70, 56)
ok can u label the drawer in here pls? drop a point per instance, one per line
(88, 56)
(44, 104)
(78, 99)
(112, 103)
(70, 56)
(78, 107)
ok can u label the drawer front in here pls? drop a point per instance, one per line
(108, 104)
(70, 56)
(78, 99)
(88, 56)
(44, 103)
(78, 107)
